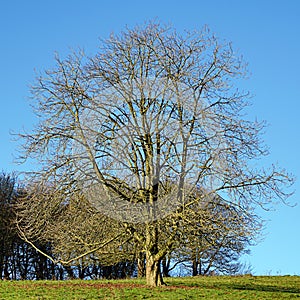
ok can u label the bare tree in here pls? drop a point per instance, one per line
(152, 107)
(70, 226)
(215, 241)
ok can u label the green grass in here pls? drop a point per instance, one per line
(223, 287)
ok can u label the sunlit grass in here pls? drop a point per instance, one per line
(223, 287)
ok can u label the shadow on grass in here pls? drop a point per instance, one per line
(265, 288)
(246, 284)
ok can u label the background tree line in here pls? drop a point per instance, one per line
(202, 251)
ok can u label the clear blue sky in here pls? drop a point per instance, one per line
(266, 32)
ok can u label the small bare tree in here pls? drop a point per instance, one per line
(70, 225)
(142, 125)
(216, 240)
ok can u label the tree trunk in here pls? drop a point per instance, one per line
(5, 271)
(195, 267)
(195, 264)
(141, 265)
(166, 266)
(153, 273)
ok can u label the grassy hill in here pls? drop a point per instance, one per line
(223, 287)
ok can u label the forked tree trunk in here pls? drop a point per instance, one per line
(153, 272)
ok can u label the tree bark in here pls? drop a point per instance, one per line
(141, 265)
(153, 272)
(195, 267)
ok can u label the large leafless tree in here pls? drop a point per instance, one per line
(144, 125)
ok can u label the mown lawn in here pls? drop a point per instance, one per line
(223, 287)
